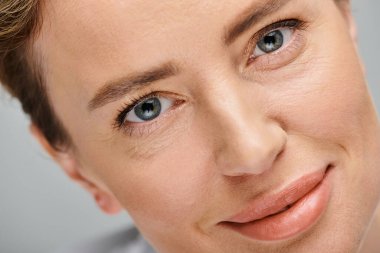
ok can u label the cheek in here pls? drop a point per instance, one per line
(329, 99)
(330, 103)
(168, 188)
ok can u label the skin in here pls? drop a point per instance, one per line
(242, 129)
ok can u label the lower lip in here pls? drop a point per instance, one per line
(297, 219)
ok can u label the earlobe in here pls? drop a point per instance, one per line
(72, 168)
(107, 203)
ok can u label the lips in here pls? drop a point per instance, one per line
(286, 213)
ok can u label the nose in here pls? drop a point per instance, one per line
(248, 142)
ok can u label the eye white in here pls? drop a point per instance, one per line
(132, 117)
(287, 34)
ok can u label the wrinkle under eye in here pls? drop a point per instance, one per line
(275, 37)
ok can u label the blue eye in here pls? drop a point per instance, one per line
(273, 41)
(148, 109)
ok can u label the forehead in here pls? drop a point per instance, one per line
(108, 38)
(96, 28)
(93, 28)
(86, 43)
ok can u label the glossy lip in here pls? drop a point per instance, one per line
(286, 213)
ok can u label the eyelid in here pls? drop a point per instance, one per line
(283, 23)
(130, 127)
(127, 107)
(287, 35)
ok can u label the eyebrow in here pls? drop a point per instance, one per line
(117, 89)
(249, 17)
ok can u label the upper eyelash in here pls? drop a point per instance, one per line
(290, 23)
(126, 108)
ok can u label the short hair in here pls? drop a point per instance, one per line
(20, 23)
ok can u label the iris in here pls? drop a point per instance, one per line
(271, 42)
(148, 109)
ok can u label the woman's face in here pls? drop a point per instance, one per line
(207, 119)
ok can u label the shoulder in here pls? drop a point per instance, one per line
(126, 241)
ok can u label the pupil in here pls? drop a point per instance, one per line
(148, 109)
(270, 39)
(148, 106)
(271, 42)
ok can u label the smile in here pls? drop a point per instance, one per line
(285, 214)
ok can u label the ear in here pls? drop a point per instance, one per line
(346, 9)
(67, 160)
(345, 6)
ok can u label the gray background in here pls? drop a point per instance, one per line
(40, 209)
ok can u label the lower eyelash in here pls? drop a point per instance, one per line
(294, 24)
(297, 42)
(145, 128)
(126, 108)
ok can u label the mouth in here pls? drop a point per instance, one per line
(287, 213)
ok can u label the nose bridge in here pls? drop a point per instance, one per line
(246, 141)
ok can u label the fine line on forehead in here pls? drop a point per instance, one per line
(117, 89)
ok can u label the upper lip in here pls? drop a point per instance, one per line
(274, 203)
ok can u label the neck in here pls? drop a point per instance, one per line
(372, 242)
